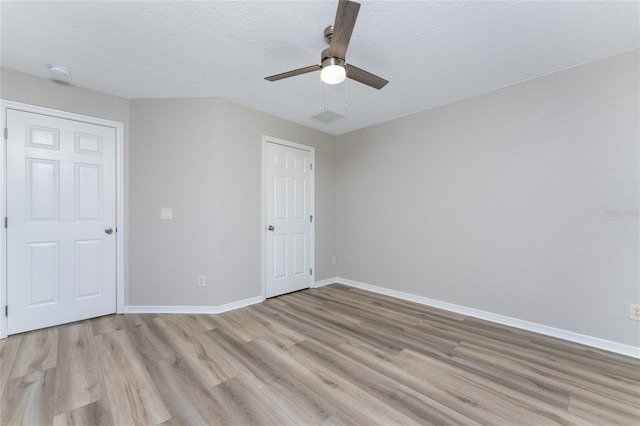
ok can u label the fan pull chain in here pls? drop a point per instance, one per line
(346, 94)
(320, 94)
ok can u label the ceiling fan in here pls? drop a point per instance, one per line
(333, 67)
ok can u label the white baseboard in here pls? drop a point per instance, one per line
(322, 283)
(570, 336)
(595, 342)
(186, 309)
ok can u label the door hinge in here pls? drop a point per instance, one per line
(6, 222)
(310, 271)
(311, 219)
(6, 133)
(6, 310)
(310, 166)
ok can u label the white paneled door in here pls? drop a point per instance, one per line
(61, 210)
(288, 218)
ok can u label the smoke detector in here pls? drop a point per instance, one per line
(59, 70)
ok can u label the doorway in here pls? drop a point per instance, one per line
(288, 205)
(63, 228)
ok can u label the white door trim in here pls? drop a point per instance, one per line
(120, 236)
(263, 219)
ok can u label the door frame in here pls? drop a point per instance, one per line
(120, 225)
(263, 220)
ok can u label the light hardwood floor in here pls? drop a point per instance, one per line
(332, 356)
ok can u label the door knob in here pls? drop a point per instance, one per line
(108, 231)
(271, 228)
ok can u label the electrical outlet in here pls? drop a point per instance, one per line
(635, 312)
(202, 281)
(333, 260)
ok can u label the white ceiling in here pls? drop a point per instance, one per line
(432, 52)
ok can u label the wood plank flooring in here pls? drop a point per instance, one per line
(329, 356)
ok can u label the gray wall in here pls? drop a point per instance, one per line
(29, 89)
(506, 202)
(173, 165)
(202, 157)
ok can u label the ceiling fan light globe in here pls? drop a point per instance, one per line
(333, 74)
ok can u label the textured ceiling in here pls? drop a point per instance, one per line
(432, 53)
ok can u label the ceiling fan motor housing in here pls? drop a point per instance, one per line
(326, 60)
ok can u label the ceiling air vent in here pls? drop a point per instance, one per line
(327, 116)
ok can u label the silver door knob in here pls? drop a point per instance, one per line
(108, 231)
(271, 228)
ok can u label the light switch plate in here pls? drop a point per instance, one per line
(166, 213)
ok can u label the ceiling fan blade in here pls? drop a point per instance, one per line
(365, 77)
(299, 71)
(343, 27)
